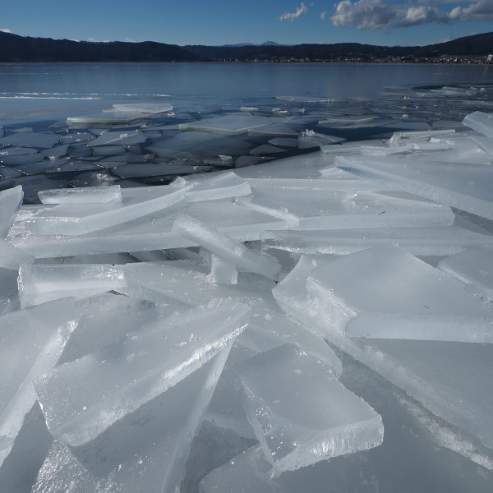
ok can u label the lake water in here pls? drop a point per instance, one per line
(338, 102)
(50, 91)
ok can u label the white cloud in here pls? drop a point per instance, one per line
(5, 30)
(292, 16)
(323, 15)
(377, 14)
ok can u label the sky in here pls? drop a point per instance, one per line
(218, 22)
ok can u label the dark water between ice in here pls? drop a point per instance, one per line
(44, 91)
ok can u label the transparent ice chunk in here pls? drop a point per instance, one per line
(300, 414)
(113, 384)
(11, 257)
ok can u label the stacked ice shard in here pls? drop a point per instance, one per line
(321, 321)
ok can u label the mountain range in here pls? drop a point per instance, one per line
(15, 48)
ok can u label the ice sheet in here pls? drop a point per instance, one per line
(10, 201)
(81, 195)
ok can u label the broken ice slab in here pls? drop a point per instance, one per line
(9, 299)
(226, 247)
(188, 283)
(473, 266)
(119, 138)
(235, 123)
(81, 195)
(388, 293)
(144, 452)
(11, 257)
(31, 341)
(10, 201)
(428, 241)
(78, 219)
(113, 384)
(322, 209)
(205, 187)
(30, 139)
(481, 122)
(403, 138)
(146, 108)
(149, 233)
(284, 142)
(300, 414)
(310, 139)
(103, 120)
(40, 283)
(484, 142)
(108, 318)
(464, 186)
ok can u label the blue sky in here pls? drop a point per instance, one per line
(387, 22)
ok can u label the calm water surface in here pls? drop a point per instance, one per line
(49, 91)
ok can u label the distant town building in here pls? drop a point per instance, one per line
(489, 59)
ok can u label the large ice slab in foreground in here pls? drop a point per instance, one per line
(129, 411)
(301, 415)
(464, 186)
(110, 386)
(473, 266)
(146, 452)
(31, 341)
(10, 201)
(448, 394)
(389, 293)
(226, 248)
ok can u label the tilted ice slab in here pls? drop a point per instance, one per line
(119, 138)
(10, 201)
(320, 209)
(426, 241)
(149, 233)
(146, 451)
(31, 341)
(388, 293)
(227, 248)
(81, 195)
(205, 187)
(79, 219)
(481, 122)
(473, 266)
(464, 186)
(300, 414)
(236, 123)
(40, 283)
(447, 394)
(418, 137)
(111, 386)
